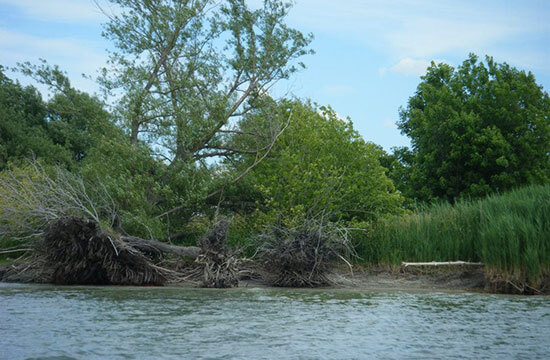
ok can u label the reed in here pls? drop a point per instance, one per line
(509, 233)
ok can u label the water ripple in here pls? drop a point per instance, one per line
(48, 322)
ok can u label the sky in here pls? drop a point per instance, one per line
(369, 54)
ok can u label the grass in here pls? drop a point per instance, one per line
(510, 233)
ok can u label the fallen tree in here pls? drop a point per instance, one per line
(55, 216)
(77, 251)
(302, 256)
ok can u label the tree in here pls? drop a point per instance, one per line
(186, 68)
(61, 130)
(398, 164)
(74, 130)
(481, 128)
(24, 130)
(75, 120)
(320, 164)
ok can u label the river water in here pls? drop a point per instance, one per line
(49, 322)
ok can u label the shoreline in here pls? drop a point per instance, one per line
(363, 278)
(392, 279)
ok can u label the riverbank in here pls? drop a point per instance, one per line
(408, 279)
(376, 278)
(509, 233)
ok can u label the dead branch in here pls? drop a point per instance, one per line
(32, 199)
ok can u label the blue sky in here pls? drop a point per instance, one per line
(369, 54)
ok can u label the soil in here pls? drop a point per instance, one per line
(382, 278)
(376, 278)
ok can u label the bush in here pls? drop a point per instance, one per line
(320, 163)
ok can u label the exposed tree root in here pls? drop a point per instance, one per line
(302, 257)
(220, 269)
(77, 251)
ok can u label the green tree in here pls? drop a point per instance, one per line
(398, 164)
(75, 120)
(480, 128)
(95, 149)
(24, 128)
(319, 164)
(186, 68)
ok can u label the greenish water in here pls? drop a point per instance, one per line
(50, 322)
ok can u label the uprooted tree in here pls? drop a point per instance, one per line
(66, 224)
(301, 256)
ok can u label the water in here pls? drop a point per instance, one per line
(49, 322)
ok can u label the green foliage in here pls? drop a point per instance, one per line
(130, 176)
(509, 233)
(320, 164)
(398, 165)
(60, 131)
(24, 129)
(475, 130)
(186, 68)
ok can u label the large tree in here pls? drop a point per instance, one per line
(186, 68)
(320, 164)
(480, 128)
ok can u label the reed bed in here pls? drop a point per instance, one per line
(509, 233)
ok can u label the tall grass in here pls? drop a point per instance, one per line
(510, 233)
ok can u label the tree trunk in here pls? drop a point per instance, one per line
(154, 246)
(134, 133)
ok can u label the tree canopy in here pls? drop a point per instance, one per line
(321, 164)
(62, 129)
(187, 68)
(477, 129)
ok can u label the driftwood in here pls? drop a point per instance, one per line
(444, 263)
(157, 248)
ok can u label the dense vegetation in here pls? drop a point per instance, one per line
(509, 233)
(475, 130)
(189, 133)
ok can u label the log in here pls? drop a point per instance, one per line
(157, 247)
(445, 263)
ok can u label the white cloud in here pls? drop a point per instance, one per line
(73, 11)
(424, 29)
(71, 54)
(408, 66)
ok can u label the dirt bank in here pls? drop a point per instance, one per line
(366, 277)
(382, 278)
(399, 278)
